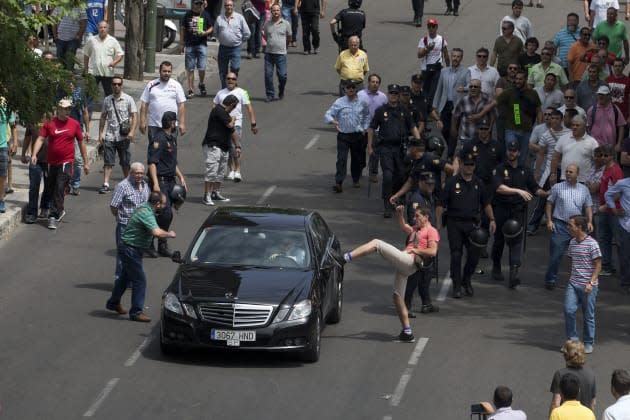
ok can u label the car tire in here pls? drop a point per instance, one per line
(335, 314)
(311, 354)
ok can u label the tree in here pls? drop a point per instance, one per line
(29, 84)
(134, 40)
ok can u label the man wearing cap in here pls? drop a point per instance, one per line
(352, 64)
(462, 199)
(351, 118)
(195, 28)
(449, 90)
(604, 120)
(418, 118)
(538, 71)
(521, 107)
(418, 96)
(163, 169)
(61, 132)
(432, 52)
(394, 124)
(515, 186)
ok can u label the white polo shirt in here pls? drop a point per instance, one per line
(162, 97)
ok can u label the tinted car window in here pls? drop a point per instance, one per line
(237, 245)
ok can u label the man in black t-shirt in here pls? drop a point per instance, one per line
(351, 22)
(196, 26)
(216, 145)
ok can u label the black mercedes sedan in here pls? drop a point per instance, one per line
(255, 278)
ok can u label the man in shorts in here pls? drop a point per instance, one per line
(196, 26)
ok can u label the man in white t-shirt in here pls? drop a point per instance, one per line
(234, 161)
(574, 148)
(161, 95)
(488, 75)
(432, 52)
(522, 26)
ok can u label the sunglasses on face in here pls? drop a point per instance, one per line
(569, 97)
(474, 87)
(230, 78)
(545, 53)
(482, 56)
(116, 84)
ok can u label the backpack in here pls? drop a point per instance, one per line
(250, 13)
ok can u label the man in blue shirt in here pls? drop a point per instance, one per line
(565, 38)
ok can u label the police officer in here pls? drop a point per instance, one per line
(351, 22)
(406, 102)
(514, 185)
(463, 199)
(418, 97)
(163, 170)
(394, 124)
(422, 198)
(489, 153)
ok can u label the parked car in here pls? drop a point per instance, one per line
(255, 278)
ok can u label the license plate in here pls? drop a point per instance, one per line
(233, 338)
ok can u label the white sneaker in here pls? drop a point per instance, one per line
(207, 200)
(231, 175)
(237, 177)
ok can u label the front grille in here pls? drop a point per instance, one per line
(237, 315)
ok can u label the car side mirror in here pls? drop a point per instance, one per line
(177, 257)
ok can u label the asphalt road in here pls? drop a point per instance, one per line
(64, 357)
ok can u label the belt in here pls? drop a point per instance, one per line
(461, 219)
(166, 178)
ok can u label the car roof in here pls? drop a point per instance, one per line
(266, 217)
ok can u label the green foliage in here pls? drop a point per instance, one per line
(29, 83)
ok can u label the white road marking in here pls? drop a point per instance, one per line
(136, 354)
(266, 195)
(446, 285)
(406, 376)
(387, 418)
(101, 397)
(312, 142)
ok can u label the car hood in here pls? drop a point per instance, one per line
(245, 284)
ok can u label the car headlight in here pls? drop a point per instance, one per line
(172, 304)
(281, 315)
(300, 310)
(190, 310)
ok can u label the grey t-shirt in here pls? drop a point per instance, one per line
(587, 383)
(277, 34)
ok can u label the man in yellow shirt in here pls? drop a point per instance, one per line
(352, 64)
(571, 408)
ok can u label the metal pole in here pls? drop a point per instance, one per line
(149, 36)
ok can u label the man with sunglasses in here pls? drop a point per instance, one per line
(488, 75)
(570, 102)
(539, 71)
(577, 67)
(506, 48)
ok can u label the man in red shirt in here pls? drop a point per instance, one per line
(607, 227)
(619, 85)
(61, 132)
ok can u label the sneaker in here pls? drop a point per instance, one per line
(588, 348)
(230, 176)
(191, 94)
(3, 206)
(216, 196)
(104, 189)
(29, 219)
(606, 272)
(202, 90)
(237, 177)
(406, 338)
(207, 200)
(316, 51)
(74, 191)
(52, 223)
(43, 214)
(61, 215)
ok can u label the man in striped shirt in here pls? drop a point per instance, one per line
(586, 263)
(568, 198)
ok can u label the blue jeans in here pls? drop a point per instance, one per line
(607, 228)
(132, 271)
(196, 57)
(228, 56)
(523, 140)
(37, 173)
(577, 296)
(66, 50)
(558, 243)
(75, 182)
(279, 61)
(624, 254)
(120, 228)
(287, 14)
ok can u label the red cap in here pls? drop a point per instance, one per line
(432, 21)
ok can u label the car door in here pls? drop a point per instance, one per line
(325, 268)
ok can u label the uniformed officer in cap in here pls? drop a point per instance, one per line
(489, 153)
(405, 101)
(463, 199)
(515, 186)
(394, 125)
(422, 198)
(348, 22)
(418, 97)
(164, 171)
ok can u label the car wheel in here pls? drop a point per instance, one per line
(311, 354)
(335, 314)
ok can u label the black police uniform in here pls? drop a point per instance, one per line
(394, 124)
(510, 206)
(350, 22)
(463, 201)
(488, 156)
(427, 163)
(421, 103)
(163, 153)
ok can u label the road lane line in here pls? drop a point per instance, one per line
(446, 285)
(406, 376)
(101, 397)
(136, 354)
(312, 142)
(266, 195)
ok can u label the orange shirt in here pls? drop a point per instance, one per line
(576, 66)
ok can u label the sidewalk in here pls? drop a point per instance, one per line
(17, 202)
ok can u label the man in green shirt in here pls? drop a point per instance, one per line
(538, 71)
(616, 32)
(136, 238)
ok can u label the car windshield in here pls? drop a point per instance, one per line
(239, 245)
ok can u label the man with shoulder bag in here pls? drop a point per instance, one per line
(115, 131)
